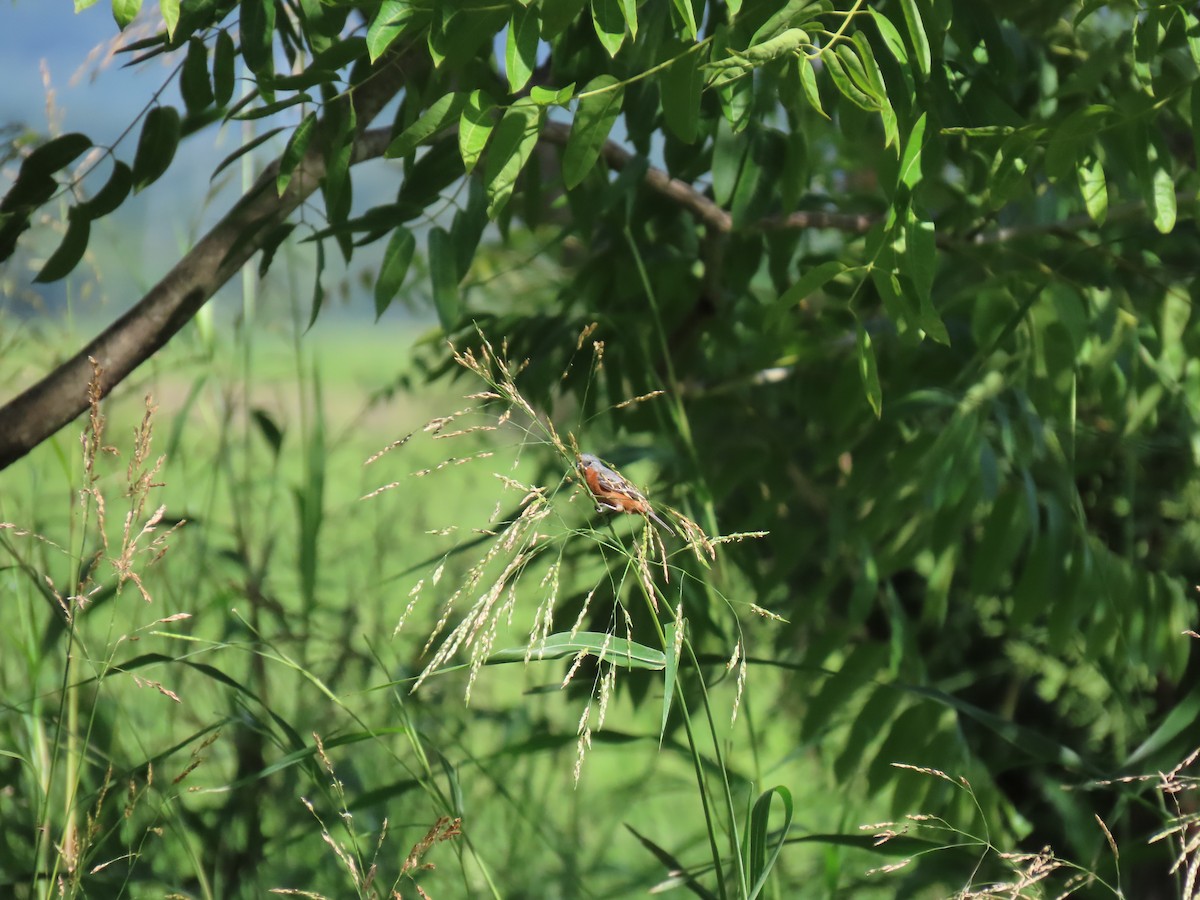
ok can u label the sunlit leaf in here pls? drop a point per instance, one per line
(475, 127)
(1094, 188)
(125, 11)
(609, 22)
(520, 52)
(511, 146)
(916, 34)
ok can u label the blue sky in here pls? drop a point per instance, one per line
(50, 30)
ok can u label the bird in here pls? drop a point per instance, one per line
(612, 491)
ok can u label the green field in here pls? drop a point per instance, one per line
(188, 718)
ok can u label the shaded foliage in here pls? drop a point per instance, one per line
(921, 292)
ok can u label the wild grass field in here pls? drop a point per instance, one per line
(233, 714)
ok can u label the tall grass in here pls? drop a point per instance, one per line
(443, 673)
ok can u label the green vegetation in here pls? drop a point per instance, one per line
(887, 307)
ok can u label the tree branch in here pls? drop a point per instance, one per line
(704, 209)
(53, 402)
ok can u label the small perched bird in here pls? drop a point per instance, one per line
(612, 491)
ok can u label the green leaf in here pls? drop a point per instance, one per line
(224, 56)
(688, 17)
(910, 161)
(244, 149)
(156, 146)
(318, 288)
(854, 65)
(868, 371)
(125, 11)
(669, 677)
(271, 243)
(515, 138)
(396, 260)
(728, 162)
(1073, 138)
(609, 22)
(520, 51)
(324, 67)
(921, 259)
(443, 272)
(257, 28)
(469, 223)
(789, 41)
(463, 31)
(194, 84)
(269, 109)
(681, 84)
(56, 154)
(393, 18)
(928, 319)
(444, 110)
(793, 179)
(1163, 198)
(337, 187)
(170, 14)
(593, 122)
(475, 127)
(269, 429)
(1004, 535)
(69, 252)
(556, 16)
(1093, 187)
(785, 16)
(860, 666)
(323, 22)
(629, 11)
(616, 650)
(758, 832)
(109, 197)
(294, 151)
(808, 81)
(845, 85)
(916, 34)
(433, 172)
(1181, 718)
(811, 281)
(1029, 741)
(551, 97)
(891, 37)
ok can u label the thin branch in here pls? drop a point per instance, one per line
(1073, 224)
(703, 208)
(53, 402)
(682, 193)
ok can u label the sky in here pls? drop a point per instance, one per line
(50, 33)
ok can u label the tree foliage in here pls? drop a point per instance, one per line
(918, 275)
